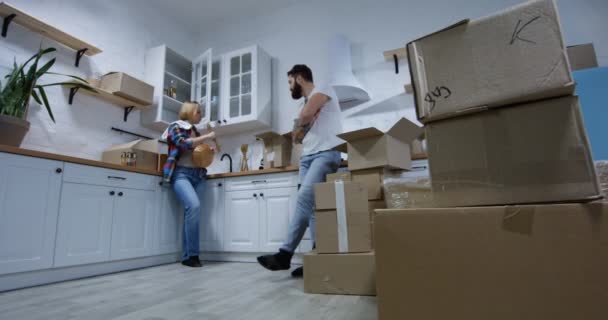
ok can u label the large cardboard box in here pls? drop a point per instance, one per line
(372, 206)
(514, 56)
(147, 152)
(501, 263)
(345, 274)
(372, 148)
(582, 57)
(372, 178)
(342, 222)
(277, 149)
(530, 153)
(126, 86)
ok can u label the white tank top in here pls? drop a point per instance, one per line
(322, 134)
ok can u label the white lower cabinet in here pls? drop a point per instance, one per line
(242, 221)
(275, 208)
(133, 224)
(212, 217)
(85, 224)
(29, 200)
(168, 223)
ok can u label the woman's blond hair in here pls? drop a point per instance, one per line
(186, 112)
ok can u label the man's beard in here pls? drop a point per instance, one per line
(296, 92)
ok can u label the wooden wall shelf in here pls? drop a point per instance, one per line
(109, 97)
(12, 14)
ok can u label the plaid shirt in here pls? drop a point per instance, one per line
(179, 142)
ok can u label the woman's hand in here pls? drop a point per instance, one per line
(200, 140)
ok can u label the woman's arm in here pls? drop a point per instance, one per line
(183, 141)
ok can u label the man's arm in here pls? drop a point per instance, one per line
(312, 108)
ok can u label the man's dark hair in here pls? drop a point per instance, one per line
(301, 70)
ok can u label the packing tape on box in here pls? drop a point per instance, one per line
(341, 216)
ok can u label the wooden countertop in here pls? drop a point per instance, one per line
(58, 157)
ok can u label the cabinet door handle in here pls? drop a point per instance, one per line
(262, 195)
(255, 195)
(120, 194)
(112, 193)
(258, 181)
(219, 184)
(219, 121)
(225, 121)
(58, 170)
(116, 178)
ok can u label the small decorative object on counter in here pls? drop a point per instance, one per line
(244, 165)
(261, 164)
(128, 159)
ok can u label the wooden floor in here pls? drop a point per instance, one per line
(216, 291)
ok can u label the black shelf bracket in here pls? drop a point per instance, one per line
(127, 111)
(79, 55)
(73, 91)
(396, 63)
(6, 23)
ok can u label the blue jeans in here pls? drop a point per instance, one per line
(187, 183)
(313, 169)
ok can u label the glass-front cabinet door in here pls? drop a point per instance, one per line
(201, 83)
(215, 114)
(240, 75)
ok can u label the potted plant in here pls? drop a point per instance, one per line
(15, 92)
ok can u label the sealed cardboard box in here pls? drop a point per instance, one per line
(530, 153)
(372, 206)
(372, 148)
(514, 56)
(342, 218)
(501, 263)
(408, 189)
(146, 153)
(582, 57)
(340, 175)
(372, 178)
(349, 234)
(162, 159)
(327, 195)
(126, 86)
(277, 149)
(345, 274)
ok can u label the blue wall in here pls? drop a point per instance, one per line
(592, 88)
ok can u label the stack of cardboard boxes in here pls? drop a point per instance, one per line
(506, 146)
(343, 261)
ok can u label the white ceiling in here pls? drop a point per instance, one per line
(198, 15)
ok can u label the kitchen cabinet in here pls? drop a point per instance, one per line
(29, 204)
(169, 222)
(166, 68)
(234, 89)
(247, 98)
(275, 207)
(85, 224)
(133, 217)
(212, 217)
(242, 221)
(258, 210)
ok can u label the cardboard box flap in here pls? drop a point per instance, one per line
(342, 148)
(360, 134)
(405, 131)
(148, 145)
(128, 145)
(268, 136)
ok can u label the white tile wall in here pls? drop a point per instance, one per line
(124, 30)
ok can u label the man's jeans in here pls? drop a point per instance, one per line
(313, 169)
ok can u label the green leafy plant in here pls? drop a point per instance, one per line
(20, 85)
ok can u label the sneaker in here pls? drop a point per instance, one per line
(278, 261)
(298, 272)
(193, 262)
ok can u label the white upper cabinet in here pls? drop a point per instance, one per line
(171, 75)
(234, 89)
(247, 82)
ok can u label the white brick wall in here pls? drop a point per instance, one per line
(124, 30)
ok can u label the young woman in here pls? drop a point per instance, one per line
(186, 179)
